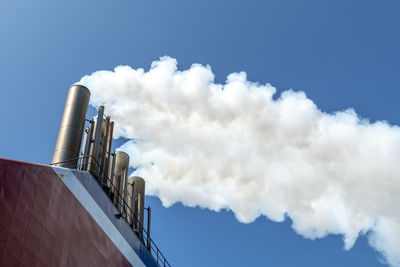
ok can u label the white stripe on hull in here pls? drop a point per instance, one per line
(87, 201)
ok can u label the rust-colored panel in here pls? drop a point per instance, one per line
(43, 224)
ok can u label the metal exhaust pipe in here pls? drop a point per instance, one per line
(130, 201)
(111, 172)
(120, 180)
(69, 139)
(107, 147)
(93, 163)
(87, 146)
(138, 196)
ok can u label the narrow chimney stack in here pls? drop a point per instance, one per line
(138, 205)
(129, 198)
(120, 180)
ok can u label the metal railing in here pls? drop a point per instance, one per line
(113, 193)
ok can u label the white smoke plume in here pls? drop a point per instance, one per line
(233, 146)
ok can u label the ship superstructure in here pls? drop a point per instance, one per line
(81, 210)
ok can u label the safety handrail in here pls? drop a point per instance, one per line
(141, 232)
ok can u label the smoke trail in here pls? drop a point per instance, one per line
(232, 146)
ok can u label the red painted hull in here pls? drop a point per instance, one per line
(43, 224)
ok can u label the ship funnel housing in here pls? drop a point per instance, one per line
(109, 169)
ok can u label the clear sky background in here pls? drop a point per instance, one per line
(341, 53)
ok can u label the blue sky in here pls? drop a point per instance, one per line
(341, 53)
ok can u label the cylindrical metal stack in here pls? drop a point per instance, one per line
(120, 180)
(71, 129)
(96, 149)
(93, 154)
(138, 197)
(131, 218)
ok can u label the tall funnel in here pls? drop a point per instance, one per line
(130, 200)
(120, 180)
(138, 196)
(71, 129)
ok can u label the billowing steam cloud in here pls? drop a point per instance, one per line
(232, 146)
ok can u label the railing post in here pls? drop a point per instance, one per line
(148, 229)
